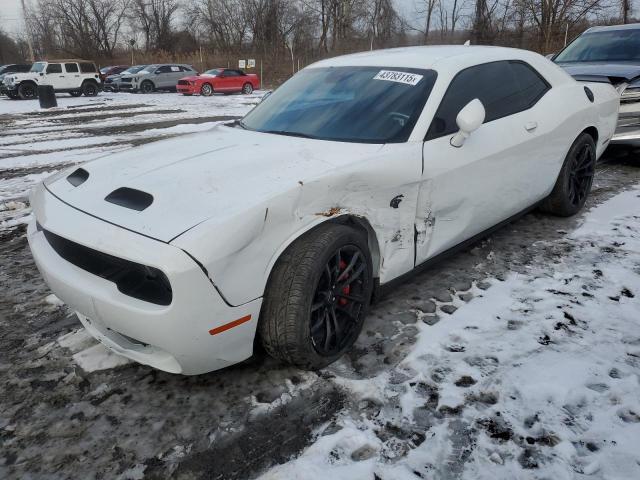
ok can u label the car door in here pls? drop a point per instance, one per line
(162, 76)
(72, 75)
(175, 74)
(229, 78)
(54, 75)
(469, 189)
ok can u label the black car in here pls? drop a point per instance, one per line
(610, 54)
(12, 68)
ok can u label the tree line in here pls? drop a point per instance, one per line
(283, 31)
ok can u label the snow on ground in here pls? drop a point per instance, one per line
(537, 377)
(35, 143)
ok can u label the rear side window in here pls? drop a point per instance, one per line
(86, 67)
(71, 67)
(54, 68)
(504, 88)
(164, 69)
(186, 69)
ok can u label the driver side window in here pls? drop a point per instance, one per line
(54, 68)
(504, 88)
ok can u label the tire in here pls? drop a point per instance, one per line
(574, 181)
(75, 93)
(206, 90)
(89, 89)
(13, 96)
(247, 89)
(147, 87)
(305, 287)
(27, 91)
(187, 94)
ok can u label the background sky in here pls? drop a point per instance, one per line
(11, 14)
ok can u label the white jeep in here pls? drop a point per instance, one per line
(76, 77)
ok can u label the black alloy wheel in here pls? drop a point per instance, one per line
(339, 301)
(581, 175)
(574, 181)
(27, 91)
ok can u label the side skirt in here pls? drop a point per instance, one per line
(381, 290)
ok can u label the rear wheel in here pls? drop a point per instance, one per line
(27, 91)
(147, 87)
(90, 89)
(247, 88)
(317, 297)
(574, 181)
(206, 90)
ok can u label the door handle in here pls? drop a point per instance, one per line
(530, 126)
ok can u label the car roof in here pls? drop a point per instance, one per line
(605, 28)
(426, 57)
(62, 60)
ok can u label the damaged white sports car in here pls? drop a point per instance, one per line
(282, 226)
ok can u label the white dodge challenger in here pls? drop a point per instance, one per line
(282, 227)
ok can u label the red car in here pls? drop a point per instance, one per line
(112, 70)
(222, 80)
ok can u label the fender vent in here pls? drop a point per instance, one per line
(130, 198)
(78, 177)
(589, 94)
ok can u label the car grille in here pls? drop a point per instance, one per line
(132, 279)
(183, 82)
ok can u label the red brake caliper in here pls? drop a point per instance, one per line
(347, 289)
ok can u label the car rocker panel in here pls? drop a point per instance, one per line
(213, 215)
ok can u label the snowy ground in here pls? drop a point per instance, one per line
(516, 359)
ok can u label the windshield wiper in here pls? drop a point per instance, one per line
(289, 134)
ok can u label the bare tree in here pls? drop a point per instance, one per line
(156, 17)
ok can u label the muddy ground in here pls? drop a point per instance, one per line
(58, 421)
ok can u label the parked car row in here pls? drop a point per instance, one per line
(78, 77)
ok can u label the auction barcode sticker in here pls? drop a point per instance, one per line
(400, 77)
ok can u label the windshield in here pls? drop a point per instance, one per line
(614, 45)
(135, 69)
(349, 104)
(213, 71)
(38, 67)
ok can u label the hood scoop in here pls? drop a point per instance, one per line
(130, 198)
(78, 177)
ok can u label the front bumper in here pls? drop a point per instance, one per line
(175, 338)
(188, 89)
(628, 128)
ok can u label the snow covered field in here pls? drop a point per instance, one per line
(516, 359)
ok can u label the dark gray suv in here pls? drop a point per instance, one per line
(162, 76)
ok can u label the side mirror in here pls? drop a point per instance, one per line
(468, 120)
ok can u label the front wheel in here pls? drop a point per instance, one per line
(317, 297)
(206, 90)
(574, 181)
(247, 89)
(75, 93)
(147, 87)
(90, 89)
(27, 91)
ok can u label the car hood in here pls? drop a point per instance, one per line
(218, 173)
(194, 78)
(624, 71)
